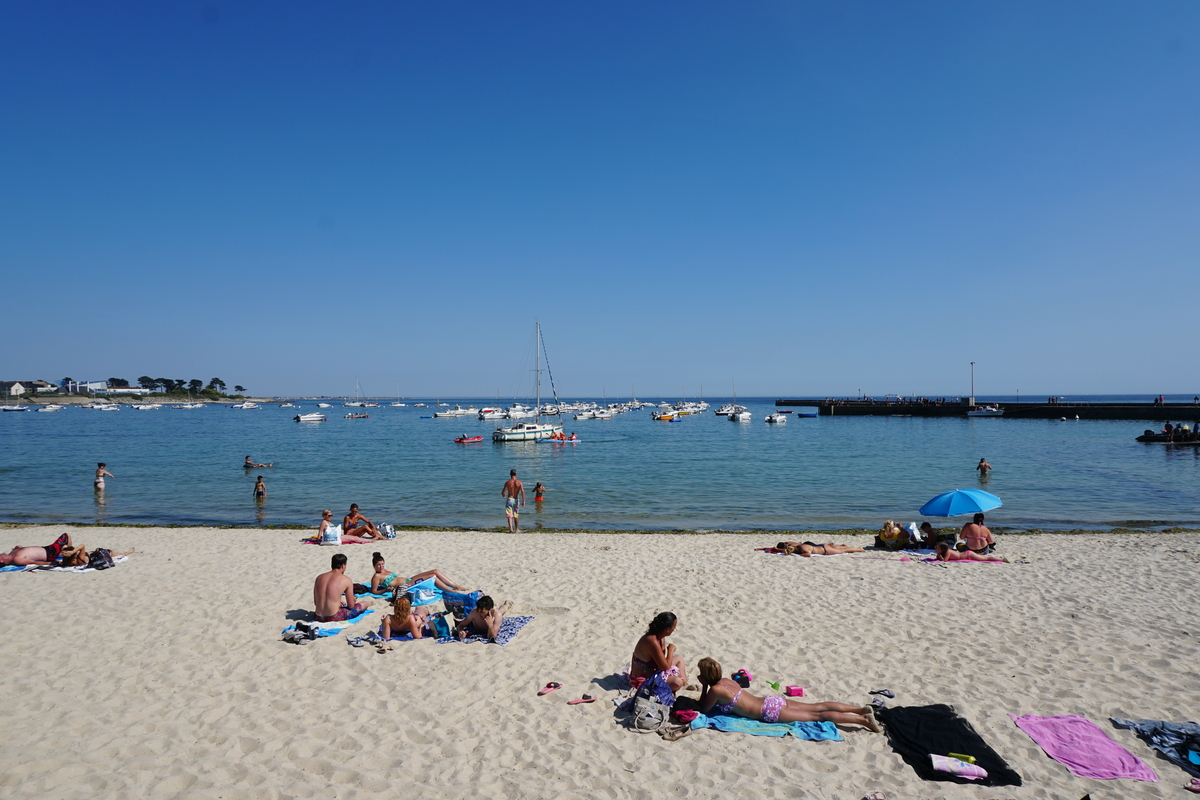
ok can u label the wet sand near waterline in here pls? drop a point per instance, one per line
(166, 677)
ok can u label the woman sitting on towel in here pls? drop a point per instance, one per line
(652, 654)
(382, 581)
(945, 553)
(808, 549)
(406, 619)
(723, 696)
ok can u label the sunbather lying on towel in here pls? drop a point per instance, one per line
(652, 654)
(723, 696)
(36, 556)
(945, 553)
(406, 619)
(383, 581)
(810, 549)
(79, 556)
(484, 619)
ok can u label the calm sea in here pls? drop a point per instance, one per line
(703, 472)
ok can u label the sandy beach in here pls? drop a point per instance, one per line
(166, 676)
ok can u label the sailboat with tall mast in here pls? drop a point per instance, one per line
(531, 431)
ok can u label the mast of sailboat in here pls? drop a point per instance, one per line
(537, 375)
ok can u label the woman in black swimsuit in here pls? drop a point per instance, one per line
(808, 549)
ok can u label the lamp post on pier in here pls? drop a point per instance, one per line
(972, 403)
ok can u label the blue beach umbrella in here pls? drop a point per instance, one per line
(958, 502)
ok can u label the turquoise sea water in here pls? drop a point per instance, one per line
(703, 472)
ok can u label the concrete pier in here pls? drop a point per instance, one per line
(1179, 412)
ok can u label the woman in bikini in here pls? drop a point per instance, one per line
(976, 536)
(723, 696)
(944, 553)
(98, 481)
(652, 654)
(406, 619)
(808, 549)
(383, 581)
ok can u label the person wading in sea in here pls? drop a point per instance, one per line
(512, 491)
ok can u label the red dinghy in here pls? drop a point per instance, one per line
(468, 439)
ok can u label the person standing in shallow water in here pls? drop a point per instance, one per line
(983, 467)
(512, 491)
(98, 481)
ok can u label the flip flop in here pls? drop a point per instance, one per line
(587, 698)
(550, 687)
(879, 702)
(884, 692)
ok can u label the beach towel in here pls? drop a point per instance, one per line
(1086, 750)
(509, 628)
(809, 731)
(85, 568)
(323, 629)
(917, 732)
(1175, 740)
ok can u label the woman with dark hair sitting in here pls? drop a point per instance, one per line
(652, 654)
(723, 696)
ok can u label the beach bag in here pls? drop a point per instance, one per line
(649, 714)
(100, 559)
(441, 628)
(387, 531)
(332, 535)
(460, 604)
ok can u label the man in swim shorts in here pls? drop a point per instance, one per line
(512, 491)
(36, 556)
(329, 591)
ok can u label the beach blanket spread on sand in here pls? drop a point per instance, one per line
(916, 732)
(1175, 740)
(810, 731)
(332, 628)
(1083, 748)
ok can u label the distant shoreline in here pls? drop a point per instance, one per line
(842, 532)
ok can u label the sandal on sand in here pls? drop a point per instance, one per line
(587, 698)
(675, 734)
(875, 796)
(885, 692)
(548, 688)
(355, 642)
(1194, 786)
(879, 702)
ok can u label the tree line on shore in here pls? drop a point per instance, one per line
(214, 388)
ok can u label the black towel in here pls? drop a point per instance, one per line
(916, 732)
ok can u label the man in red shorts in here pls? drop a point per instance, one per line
(36, 556)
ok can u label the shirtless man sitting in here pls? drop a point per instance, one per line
(36, 556)
(976, 537)
(331, 589)
(484, 619)
(355, 524)
(252, 464)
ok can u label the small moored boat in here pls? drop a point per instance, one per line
(314, 417)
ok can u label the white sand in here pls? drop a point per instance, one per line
(166, 676)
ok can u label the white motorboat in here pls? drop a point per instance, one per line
(457, 411)
(419, 405)
(776, 419)
(725, 409)
(50, 407)
(986, 411)
(313, 417)
(530, 431)
(489, 412)
(146, 406)
(288, 405)
(603, 413)
(324, 405)
(399, 405)
(247, 404)
(518, 411)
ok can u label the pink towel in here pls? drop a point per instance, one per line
(1085, 749)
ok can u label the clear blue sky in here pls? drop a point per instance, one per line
(807, 198)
